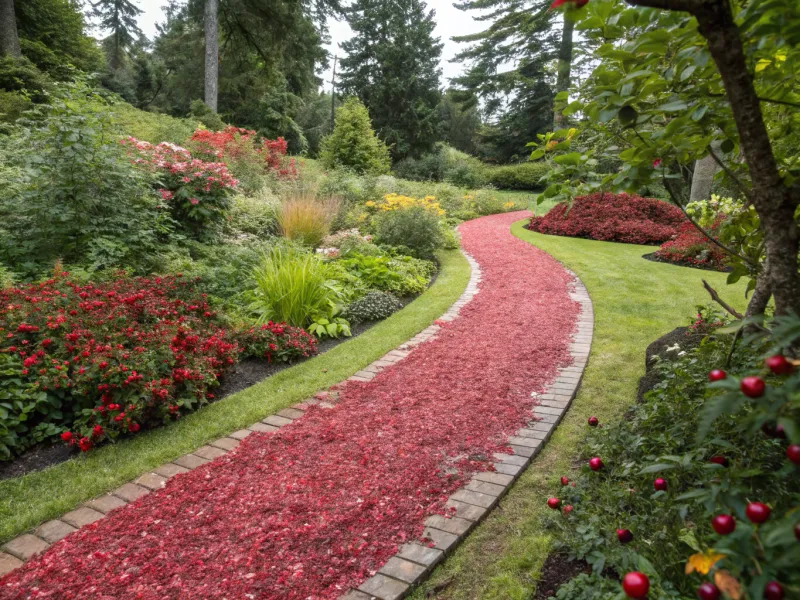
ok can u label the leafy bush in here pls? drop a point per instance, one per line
(402, 275)
(255, 216)
(276, 342)
(691, 247)
(444, 164)
(149, 126)
(690, 452)
(375, 306)
(12, 106)
(587, 587)
(612, 217)
(487, 202)
(248, 159)
(200, 111)
(73, 194)
(105, 360)
(196, 192)
(353, 143)
(21, 75)
(523, 176)
(306, 219)
(415, 228)
(295, 287)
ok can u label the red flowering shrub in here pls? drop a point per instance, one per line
(690, 247)
(612, 217)
(105, 360)
(246, 156)
(196, 191)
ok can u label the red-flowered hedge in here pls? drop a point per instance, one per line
(614, 218)
(110, 359)
(692, 248)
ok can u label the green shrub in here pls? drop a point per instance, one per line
(445, 164)
(353, 143)
(450, 238)
(295, 287)
(523, 176)
(74, 195)
(255, 216)
(21, 75)
(415, 228)
(374, 271)
(415, 275)
(588, 587)
(200, 111)
(149, 126)
(12, 106)
(375, 306)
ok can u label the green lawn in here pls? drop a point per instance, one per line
(635, 302)
(27, 501)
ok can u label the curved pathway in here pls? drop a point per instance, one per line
(316, 508)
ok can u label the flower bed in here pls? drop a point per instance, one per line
(110, 359)
(608, 217)
(692, 248)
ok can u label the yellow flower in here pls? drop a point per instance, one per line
(551, 144)
(702, 562)
(369, 203)
(728, 584)
(508, 205)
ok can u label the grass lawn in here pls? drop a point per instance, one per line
(635, 302)
(27, 501)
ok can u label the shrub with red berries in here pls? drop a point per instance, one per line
(612, 217)
(93, 362)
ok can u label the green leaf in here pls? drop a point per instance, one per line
(714, 408)
(674, 106)
(656, 468)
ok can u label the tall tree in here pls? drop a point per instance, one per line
(9, 38)
(211, 22)
(392, 66)
(118, 17)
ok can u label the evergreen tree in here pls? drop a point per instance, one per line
(510, 65)
(118, 17)
(392, 65)
(353, 143)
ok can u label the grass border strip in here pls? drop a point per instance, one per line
(17, 551)
(414, 562)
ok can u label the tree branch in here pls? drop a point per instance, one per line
(715, 297)
(690, 6)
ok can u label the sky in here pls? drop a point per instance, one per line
(449, 22)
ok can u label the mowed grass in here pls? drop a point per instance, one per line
(635, 302)
(29, 500)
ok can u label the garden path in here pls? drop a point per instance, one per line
(315, 508)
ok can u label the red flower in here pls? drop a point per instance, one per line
(84, 444)
(133, 427)
(67, 437)
(577, 3)
(97, 431)
(656, 163)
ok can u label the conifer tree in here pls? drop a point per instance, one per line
(392, 65)
(118, 17)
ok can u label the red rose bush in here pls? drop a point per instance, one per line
(609, 217)
(110, 359)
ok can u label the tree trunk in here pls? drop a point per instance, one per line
(774, 202)
(9, 38)
(564, 67)
(212, 53)
(703, 178)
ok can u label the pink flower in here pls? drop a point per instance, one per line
(194, 201)
(656, 163)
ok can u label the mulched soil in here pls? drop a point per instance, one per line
(653, 257)
(556, 570)
(319, 506)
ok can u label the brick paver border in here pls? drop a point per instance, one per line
(413, 562)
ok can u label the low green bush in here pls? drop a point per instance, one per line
(522, 176)
(150, 126)
(353, 143)
(414, 228)
(444, 164)
(253, 217)
(374, 306)
(692, 451)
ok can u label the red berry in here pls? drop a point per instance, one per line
(757, 512)
(660, 485)
(773, 591)
(624, 536)
(717, 375)
(723, 524)
(564, 481)
(567, 509)
(708, 591)
(635, 585)
(595, 464)
(593, 421)
(793, 453)
(779, 365)
(752, 387)
(554, 503)
(719, 460)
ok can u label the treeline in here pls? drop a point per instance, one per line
(269, 57)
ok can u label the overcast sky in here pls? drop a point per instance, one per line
(449, 22)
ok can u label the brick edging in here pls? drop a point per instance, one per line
(413, 562)
(15, 552)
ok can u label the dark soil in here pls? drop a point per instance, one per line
(245, 374)
(683, 336)
(682, 263)
(556, 570)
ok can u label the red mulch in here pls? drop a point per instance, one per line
(319, 506)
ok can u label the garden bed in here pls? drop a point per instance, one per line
(557, 570)
(654, 257)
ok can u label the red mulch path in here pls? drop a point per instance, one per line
(318, 507)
